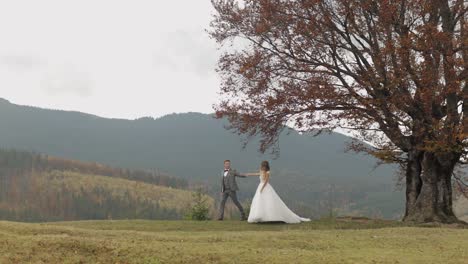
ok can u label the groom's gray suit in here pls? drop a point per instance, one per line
(229, 188)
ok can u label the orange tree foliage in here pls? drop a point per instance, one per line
(394, 73)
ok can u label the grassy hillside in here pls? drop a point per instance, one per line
(230, 242)
(118, 188)
(65, 195)
(14, 162)
(36, 187)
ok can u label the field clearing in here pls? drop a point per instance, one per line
(141, 241)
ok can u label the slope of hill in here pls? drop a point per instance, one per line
(11, 159)
(63, 195)
(42, 188)
(313, 175)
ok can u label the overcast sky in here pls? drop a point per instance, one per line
(120, 58)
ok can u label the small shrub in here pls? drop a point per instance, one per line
(199, 210)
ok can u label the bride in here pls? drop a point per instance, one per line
(266, 205)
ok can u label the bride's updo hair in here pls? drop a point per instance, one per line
(265, 166)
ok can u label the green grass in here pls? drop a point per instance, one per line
(140, 241)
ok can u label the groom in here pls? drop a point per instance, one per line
(229, 188)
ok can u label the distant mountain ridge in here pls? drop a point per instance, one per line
(312, 174)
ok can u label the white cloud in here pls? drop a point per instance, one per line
(185, 51)
(21, 62)
(66, 79)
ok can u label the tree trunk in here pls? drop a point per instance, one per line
(413, 179)
(429, 188)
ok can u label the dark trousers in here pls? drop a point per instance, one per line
(224, 198)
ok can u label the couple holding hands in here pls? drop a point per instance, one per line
(266, 205)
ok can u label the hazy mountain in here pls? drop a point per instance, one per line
(312, 174)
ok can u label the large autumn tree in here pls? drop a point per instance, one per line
(392, 72)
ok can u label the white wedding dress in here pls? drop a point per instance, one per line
(267, 206)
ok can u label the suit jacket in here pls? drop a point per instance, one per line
(230, 182)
